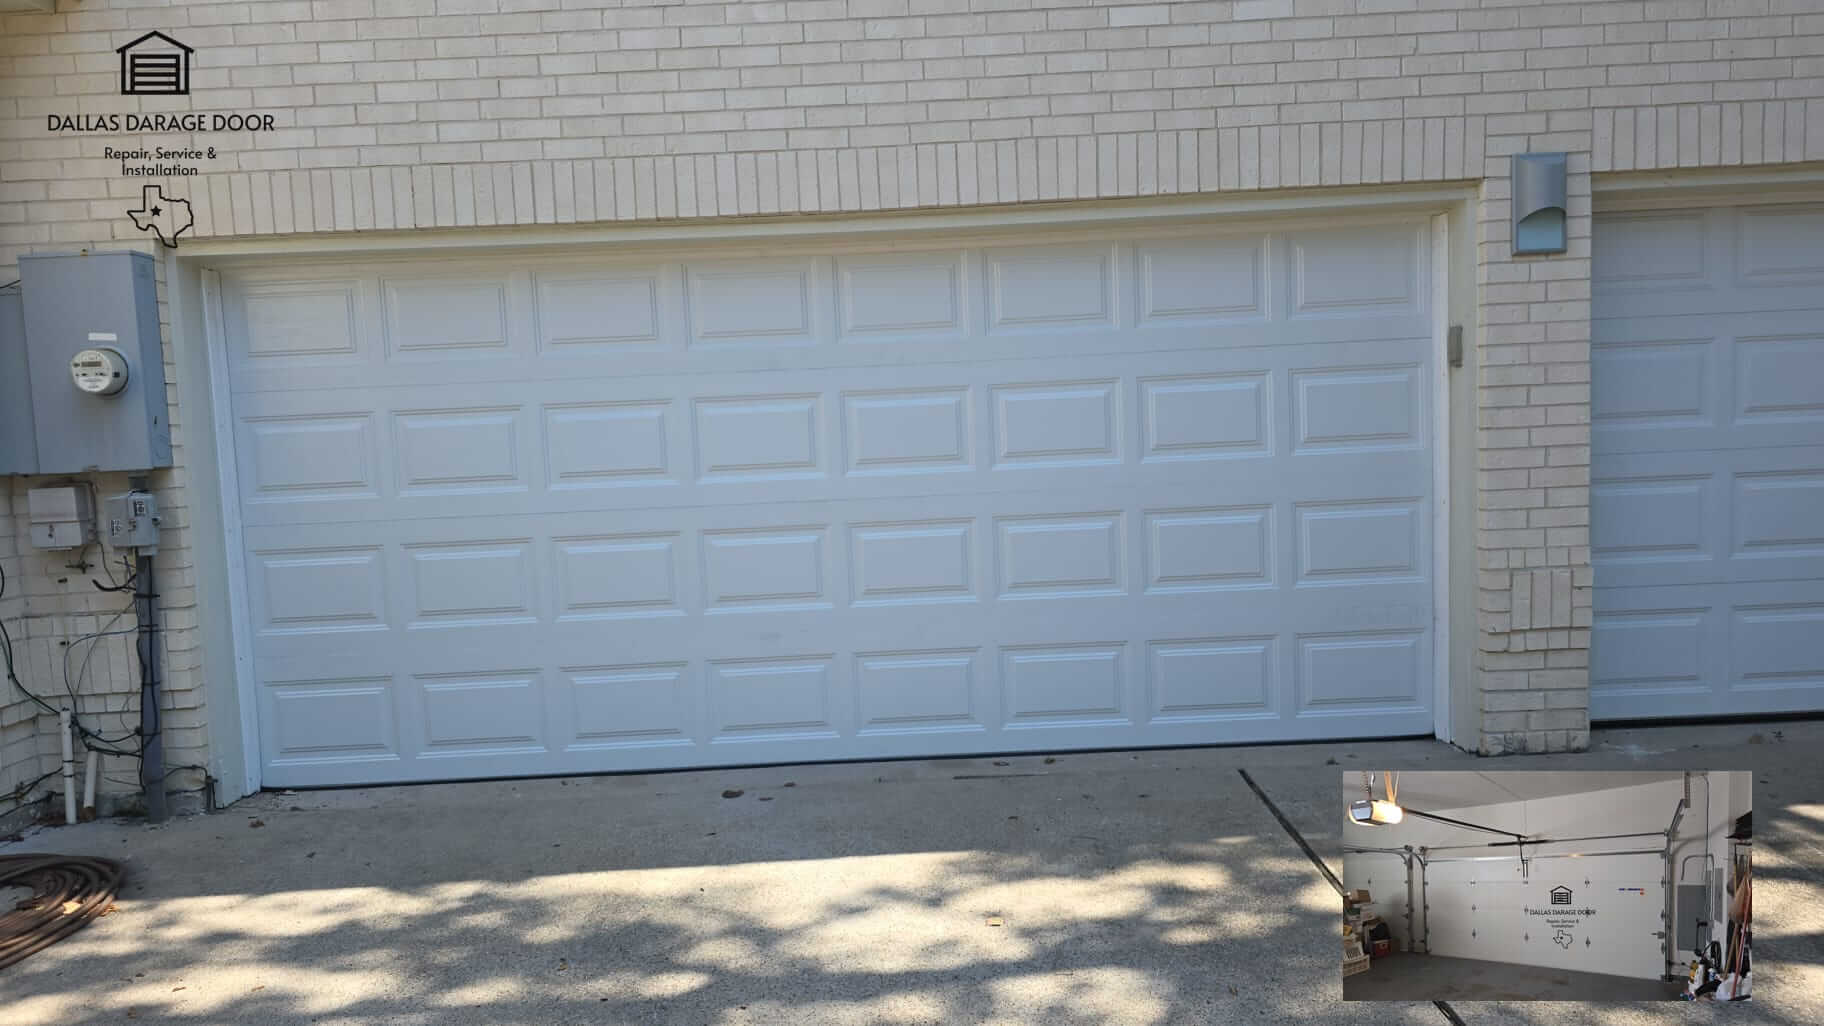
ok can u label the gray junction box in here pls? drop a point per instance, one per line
(87, 315)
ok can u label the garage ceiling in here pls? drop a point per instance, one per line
(1466, 789)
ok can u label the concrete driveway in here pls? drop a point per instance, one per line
(1122, 887)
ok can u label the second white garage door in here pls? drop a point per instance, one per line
(625, 509)
(1707, 489)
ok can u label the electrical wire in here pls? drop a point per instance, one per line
(101, 743)
(204, 770)
(21, 794)
(70, 686)
(113, 585)
(93, 740)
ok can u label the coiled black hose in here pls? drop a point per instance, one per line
(67, 892)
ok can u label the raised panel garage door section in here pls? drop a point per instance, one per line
(901, 497)
(1707, 491)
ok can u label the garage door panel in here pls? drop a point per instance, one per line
(1653, 650)
(1708, 516)
(331, 720)
(1735, 381)
(1352, 272)
(1344, 672)
(564, 367)
(1777, 370)
(299, 465)
(317, 589)
(728, 507)
(290, 326)
(315, 457)
(1776, 509)
(1650, 257)
(458, 573)
(760, 303)
(1203, 281)
(446, 317)
(617, 753)
(1053, 288)
(608, 313)
(1706, 262)
(1712, 649)
(321, 326)
(1778, 647)
(1658, 519)
(1654, 390)
(979, 366)
(461, 451)
(1707, 490)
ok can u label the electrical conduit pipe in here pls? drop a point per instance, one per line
(69, 766)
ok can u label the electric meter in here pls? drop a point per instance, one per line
(99, 371)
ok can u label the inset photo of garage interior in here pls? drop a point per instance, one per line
(1547, 886)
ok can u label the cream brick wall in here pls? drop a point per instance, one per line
(19, 734)
(399, 114)
(1533, 470)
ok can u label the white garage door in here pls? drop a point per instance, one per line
(1594, 914)
(1707, 519)
(738, 504)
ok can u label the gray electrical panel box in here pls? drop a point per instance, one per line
(1693, 917)
(18, 442)
(96, 364)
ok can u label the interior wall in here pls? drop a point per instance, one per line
(1383, 876)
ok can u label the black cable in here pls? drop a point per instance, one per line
(1292, 832)
(70, 686)
(112, 584)
(92, 740)
(1518, 838)
(21, 793)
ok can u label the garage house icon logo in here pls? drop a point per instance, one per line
(1561, 895)
(155, 65)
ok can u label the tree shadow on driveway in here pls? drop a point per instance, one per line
(1134, 888)
(1106, 888)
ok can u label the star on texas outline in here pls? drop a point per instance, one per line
(166, 216)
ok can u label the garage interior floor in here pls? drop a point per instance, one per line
(1116, 888)
(1418, 977)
